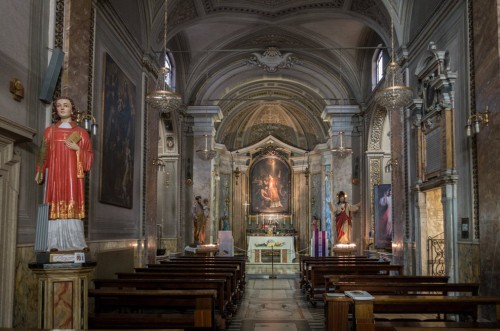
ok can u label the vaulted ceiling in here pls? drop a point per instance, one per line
(217, 46)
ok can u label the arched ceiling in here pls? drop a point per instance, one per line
(213, 42)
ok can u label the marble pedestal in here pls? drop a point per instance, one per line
(62, 294)
(344, 250)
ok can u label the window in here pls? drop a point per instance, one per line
(379, 61)
(169, 78)
(379, 67)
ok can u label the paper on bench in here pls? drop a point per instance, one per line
(359, 295)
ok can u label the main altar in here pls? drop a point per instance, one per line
(260, 245)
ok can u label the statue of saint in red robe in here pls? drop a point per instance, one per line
(66, 153)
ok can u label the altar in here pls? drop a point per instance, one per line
(258, 245)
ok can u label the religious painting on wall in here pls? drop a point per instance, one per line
(118, 136)
(383, 215)
(270, 186)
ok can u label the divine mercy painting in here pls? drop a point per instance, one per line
(270, 186)
(118, 112)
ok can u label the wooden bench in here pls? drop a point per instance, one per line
(153, 309)
(408, 288)
(316, 275)
(227, 277)
(240, 260)
(330, 280)
(338, 307)
(192, 269)
(172, 284)
(205, 264)
(306, 260)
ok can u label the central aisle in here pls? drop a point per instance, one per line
(276, 305)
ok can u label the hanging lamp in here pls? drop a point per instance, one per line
(162, 98)
(342, 151)
(395, 94)
(206, 154)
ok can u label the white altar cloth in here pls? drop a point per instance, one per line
(259, 243)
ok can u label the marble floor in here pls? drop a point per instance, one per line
(276, 305)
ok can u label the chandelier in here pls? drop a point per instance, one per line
(395, 94)
(162, 98)
(206, 154)
(342, 151)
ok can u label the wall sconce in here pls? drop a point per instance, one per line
(89, 122)
(17, 89)
(236, 171)
(475, 120)
(159, 163)
(307, 172)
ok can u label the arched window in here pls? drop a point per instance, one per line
(170, 78)
(379, 61)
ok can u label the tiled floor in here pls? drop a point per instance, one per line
(276, 305)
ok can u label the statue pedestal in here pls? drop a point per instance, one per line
(344, 250)
(62, 294)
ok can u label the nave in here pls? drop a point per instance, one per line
(276, 305)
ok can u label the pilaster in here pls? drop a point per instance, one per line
(204, 119)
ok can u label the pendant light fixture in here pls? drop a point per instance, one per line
(162, 98)
(395, 94)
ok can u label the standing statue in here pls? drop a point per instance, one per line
(200, 215)
(343, 218)
(66, 154)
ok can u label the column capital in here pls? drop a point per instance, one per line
(204, 119)
(340, 117)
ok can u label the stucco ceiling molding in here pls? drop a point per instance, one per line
(257, 7)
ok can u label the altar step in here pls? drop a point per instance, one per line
(269, 269)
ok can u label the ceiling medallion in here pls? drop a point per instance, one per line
(272, 60)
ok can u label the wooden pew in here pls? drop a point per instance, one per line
(241, 260)
(171, 284)
(317, 273)
(307, 266)
(408, 288)
(330, 280)
(153, 309)
(227, 277)
(338, 307)
(205, 264)
(189, 268)
(304, 260)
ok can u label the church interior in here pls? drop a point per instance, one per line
(268, 131)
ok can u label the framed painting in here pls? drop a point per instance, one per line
(270, 179)
(382, 198)
(118, 136)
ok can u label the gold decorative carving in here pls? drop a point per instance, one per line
(376, 129)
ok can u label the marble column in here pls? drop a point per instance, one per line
(77, 47)
(398, 190)
(205, 118)
(485, 18)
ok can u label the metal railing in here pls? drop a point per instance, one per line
(435, 250)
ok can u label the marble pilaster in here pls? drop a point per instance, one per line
(340, 119)
(485, 16)
(204, 121)
(76, 45)
(11, 133)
